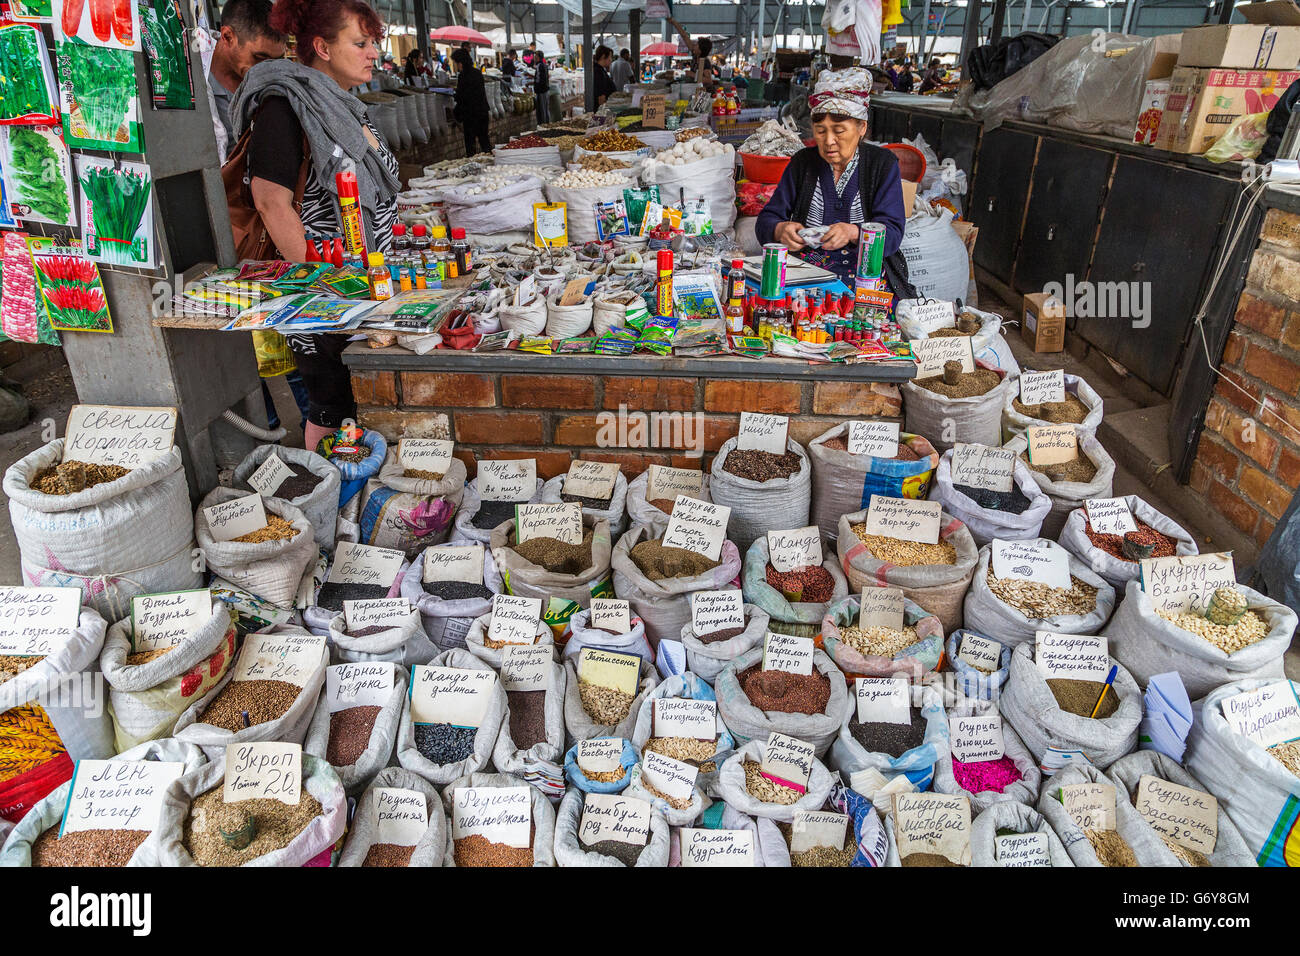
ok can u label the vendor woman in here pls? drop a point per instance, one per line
(841, 183)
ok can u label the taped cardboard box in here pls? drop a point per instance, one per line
(1241, 46)
(1043, 322)
(1203, 103)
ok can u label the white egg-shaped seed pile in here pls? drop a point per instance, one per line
(683, 154)
(588, 179)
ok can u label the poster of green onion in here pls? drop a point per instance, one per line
(117, 211)
(97, 93)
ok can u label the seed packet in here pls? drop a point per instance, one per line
(634, 202)
(697, 218)
(323, 314)
(347, 281)
(496, 341)
(749, 346)
(536, 343)
(270, 269)
(617, 341)
(657, 335)
(581, 344)
(611, 220)
(267, 314)
(304, 273)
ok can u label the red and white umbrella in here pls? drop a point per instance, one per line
(662, 48)
(459, 35)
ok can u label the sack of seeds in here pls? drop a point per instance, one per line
(402, 520)
(1229, 847)
(969, 410)
(278, 709)
(678, 811)
(313, 488)
(911, 750)
(1015, 610)
(323, 599)
(477, 851)
(989, 325)
(582, 724)
(1054, 713)
(476, 518)
(1131, 842)
(983, 681)
(1204, 654)
(1082, 407)
(1010, 515)
(194, 816)
(708, 654)
(362, 465)
(753, 705)
(613, 511)
(357, 741)
(762, 490)
(817, 588)
(532, 733)
(447, 608)
(843, 482)
(1010, 819)
(106, 848)
(1104, 553)
(570, 850)
(658, 582)
(270, 566)
(387, 842)
(121, 537)
(654, 517)
(707, 754)
(1069, 485)
(148, 689)
(441, 752)
(491, 652)
(866, 830)
(579, 634)
(938, 586)
(405, 644)
(767, 845)
(881, 651)
(569, 574)
(742, 785)
(1012, 777)
(1259, 791)
(601, 781)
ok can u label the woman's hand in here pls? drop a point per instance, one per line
(787, 233)
(839, 235)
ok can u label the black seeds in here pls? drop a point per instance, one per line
(492, 513)
(456, 590)
(596, 504)
(527, 717)
(885, 738)
(625, 853)
(444, 743)
(302, 482)
(1012, 502)
(332, 595)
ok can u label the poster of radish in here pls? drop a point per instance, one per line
(111, 23)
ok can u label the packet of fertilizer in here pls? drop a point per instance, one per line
(635, 201)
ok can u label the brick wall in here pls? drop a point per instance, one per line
(1248, 461)
(558, 417)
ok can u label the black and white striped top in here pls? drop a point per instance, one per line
(816, 208)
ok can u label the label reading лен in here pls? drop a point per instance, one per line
(514, 619)
(814, 828)
(1090, 805)
(609, 669)
(977, 739)
(507, 479)
(933, 354)
(119, 435)
(664, 482)
(1268, 715)
(610, 614)
(980, 652)
(881, 607)
(1039, 560)
(684, 717)
(425, 454)
(401, 816)
(1017, 850)
(35, 621)
(375, 612)
(263, 770)
(713, 611)
(562, 521)
(363, 684)
(365, 564)
(784, 652)
(759, 432)
(698, 526)
(235, 518)
(908, 519)
(527, 668)
(1071, 656)
(1188, 817)
(450, 695)
(117, 794)
(933, 823)
(717, 847)
(290, 657)
(883, 700)
(877, 439)
(166, 620)
(670, 777)
(454, 562)
(591, 479)
(787, 761)
(980, 466)
(600, 754)
(1109, 515)
(1052, 444)
(498, 814)
(1186, 584)
(1036, 388)
(269, 476)
(612, 816)
(795, 549)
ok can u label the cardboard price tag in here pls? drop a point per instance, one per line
(574, 291)
(401, 816)
(1052, 444)
(980, 652)
(425, 454)
(979, 466)
(667, 483)
(233, 519)
(527, 668)
(1188, 817)
(1090, 805)
(908, 519)
(263, 770)
(670, 777)
(612, 816)
(611, 614)
(130, 436)
(450, 695)
(600, 755)
(717, 847)
(367, 684)
(814, 828)
(881, 607)
(1109, 515)
(166, 620)
(454, 562)
(787, 761)
(1040, 560)
(932, 354)
(698, 526)
(652, 111)
(783, 652)
(977, 739)
(117, 794)
(759, 432)
(713, 611)
(609, 669)
(1017, 850)
(684, 717)
(560, 521)
(272, 473)
(591, 479)
(364, 564)
(1071, 656)
(289, 657)
(1037, 388)
(883, 700)
(375, 612)
(514, 619)
(35, 621)
(1268, 715)
(877, 439)
(507, 479)
(498, 814)
(795, 549)
(1186, 584)
(933, 823)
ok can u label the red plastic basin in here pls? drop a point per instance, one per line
(764, 169)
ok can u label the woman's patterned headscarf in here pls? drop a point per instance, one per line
(842, 91)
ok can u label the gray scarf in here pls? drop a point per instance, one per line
(330, 117)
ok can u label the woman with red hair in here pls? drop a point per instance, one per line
(304, 127)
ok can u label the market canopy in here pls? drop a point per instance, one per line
(459, 35)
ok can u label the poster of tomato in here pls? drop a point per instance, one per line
(111, 23)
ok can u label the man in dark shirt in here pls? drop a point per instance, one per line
(472, 104)
(541, 87)
(245, 38)
(604, 84)
(508, 64)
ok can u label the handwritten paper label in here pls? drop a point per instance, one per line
(1052, 444)
(574, 292)
(364, 564)
(1071, 656)
(783, 652)
(932, 354)
(611, 816)
(683, 717)
(454, 562)
(1109, 516)
(129, 436)
(425, 454)
(881, 607)
(591, 479)
(118, 794)
(667, 483)
(796, 549)
(507, 479)
(366, 684)
(1090, 805)
(35, 621)
(1188, 817)
(527, 668)
(759, 432)
(291, 657)
(673, 778)
(908, 519)
(1043, 561)
(1039, 387)
(550, 224)
(235, 518)
(1268, 715)
(601, 755)
(883, 700)
(450, 695)
(980, 652)
(560, 521)
(933, 823)
(814, 828)
(713, 611)
(525, 291)
(609, 669)
(166, 620)
(1016, 850)
(787, 761)
(263, 770)
(979, 466)
(716, 847)
(932, 314)
(1186, 584)
(611, 614)
(401, 817)
(877, 439)
(514, 619)
(269, 476)
(652, 111)
(698, 526)
(375, 612)
(498, 814)
(977, 739)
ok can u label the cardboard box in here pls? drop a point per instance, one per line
(1202, 104)
(1153, 103)
(1167, 46)
(909, 196)
(1042, 322)
(1278, 12)
(1241, 46)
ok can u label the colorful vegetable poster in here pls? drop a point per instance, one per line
(31, 11)
(97, 97)
(117, 211)
(38, 174)
(20, 319)
(111, 23)
(7, 220)
(68, 287)
(26, 80)
(163, 32)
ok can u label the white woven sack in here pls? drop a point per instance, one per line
(732, 788)
(640, 511)
(746, 722)
(542, 811)
(364, 831)
(581, 634)
(320, 505)
(712, 178)
(1019, 818)
(708, 660)
(579, 725)
(1115, 570)
(567, 321)
(1015, 422)
(1069, 495)
(990, 325)
(484, 738)
(493, 656)
(527, 319)
(509, 757)
(405, 644)
(1145, 842)
(527, 156)
(570, 851)
(379, 749)
(683, 817)
(946, 421)
(581, 203)
(271, 570)
(761, 506)
(615, 514)
(1024, 790)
